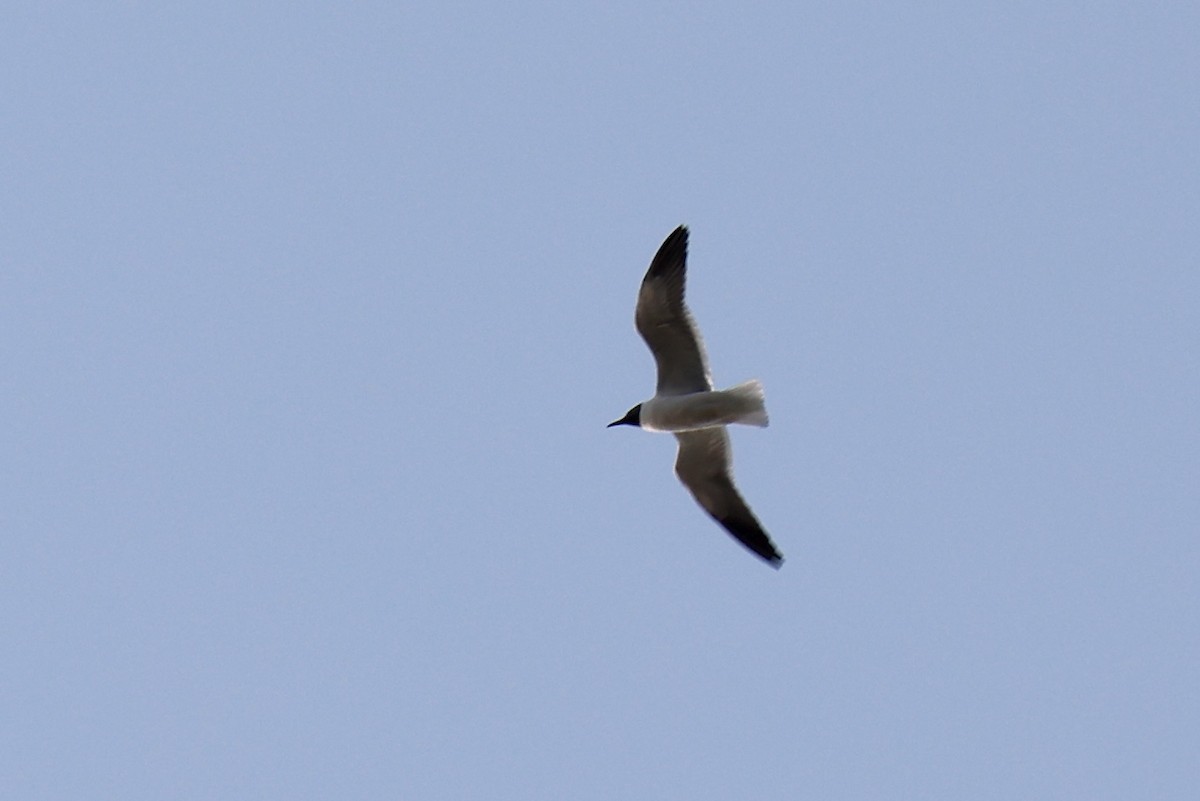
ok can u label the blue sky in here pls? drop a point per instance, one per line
(312, 316)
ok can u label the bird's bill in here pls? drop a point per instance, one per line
(630, 418)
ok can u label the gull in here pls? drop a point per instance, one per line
(686, 404)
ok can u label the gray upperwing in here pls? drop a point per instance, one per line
(703, 465)
(664, 322)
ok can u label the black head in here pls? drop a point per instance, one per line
(632, 418)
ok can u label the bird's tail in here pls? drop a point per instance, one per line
(751, 403)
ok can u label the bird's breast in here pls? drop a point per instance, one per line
(688, 412)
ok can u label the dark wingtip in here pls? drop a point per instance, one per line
(750, 534)
(772, 557)
(671, 253)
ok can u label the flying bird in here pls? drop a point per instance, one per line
(686, 404)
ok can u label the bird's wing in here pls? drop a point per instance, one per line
(703, 465)
(664, 322)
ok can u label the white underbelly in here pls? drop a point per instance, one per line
(690, 412)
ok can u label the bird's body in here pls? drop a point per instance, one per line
(706, 409)
(686, 404)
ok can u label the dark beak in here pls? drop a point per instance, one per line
(631, 418)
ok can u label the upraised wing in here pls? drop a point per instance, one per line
(664, 322)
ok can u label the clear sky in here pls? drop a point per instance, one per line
(312, 316)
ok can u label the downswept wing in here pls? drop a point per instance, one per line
(703, 465)
(664, 322)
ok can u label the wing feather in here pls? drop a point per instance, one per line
(663, 320)
(703, 465)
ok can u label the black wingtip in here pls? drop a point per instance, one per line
(750, 534)
(671, 253)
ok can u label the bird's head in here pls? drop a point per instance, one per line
(632, 418)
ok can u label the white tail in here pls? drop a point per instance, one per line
(751, 403)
